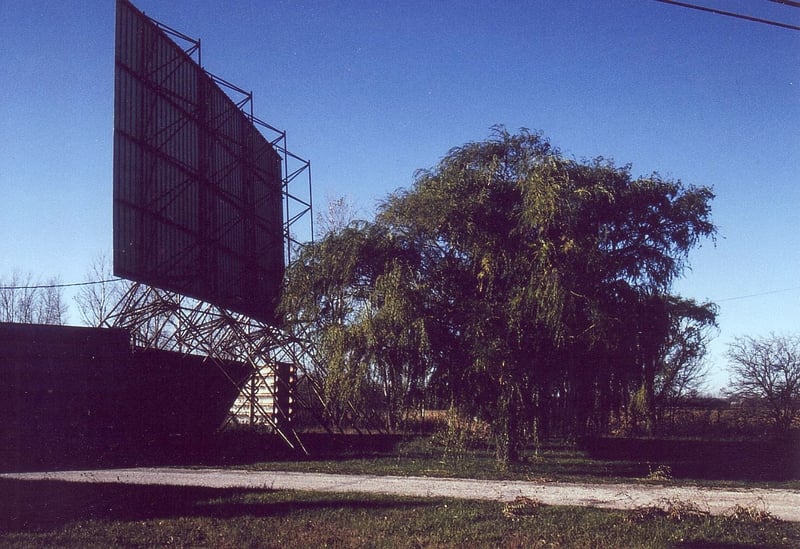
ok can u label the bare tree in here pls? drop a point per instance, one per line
(338, 214)
(97, 301)
(8, 298)
(25, 300)
(767, 370)
(16, 298)
(51, 307)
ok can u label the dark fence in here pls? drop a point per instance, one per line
(69, 393)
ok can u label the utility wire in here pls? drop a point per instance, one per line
(48, 286)
(731, 14)
(787, 3)
(758, 294)
(108, 280)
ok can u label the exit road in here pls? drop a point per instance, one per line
(781, 503)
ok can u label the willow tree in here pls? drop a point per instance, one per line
(519, 285)
(682, 367)
(547, 275)
(356, 295)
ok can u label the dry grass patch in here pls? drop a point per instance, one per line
(752, 514)
(671, 509)
(522, 507)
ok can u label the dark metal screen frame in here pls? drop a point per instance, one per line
(168, 318)
(205, 204)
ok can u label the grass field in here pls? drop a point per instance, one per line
(53, 514)
(758, 463)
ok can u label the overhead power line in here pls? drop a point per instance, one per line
(48, 286)
(109, 280)
(787, 3)
(732, 14)
(760, 294)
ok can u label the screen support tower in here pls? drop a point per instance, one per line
(296, 180)
(208, 210)
(164, 320)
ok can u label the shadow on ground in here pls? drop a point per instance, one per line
(45, 505)
(63, 452)
(748, 460)
(753, 460)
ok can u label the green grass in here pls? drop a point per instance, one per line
(55, 514)
(707, 463)
(423, 456)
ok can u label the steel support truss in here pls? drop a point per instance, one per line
(164, 320)
(298, 220)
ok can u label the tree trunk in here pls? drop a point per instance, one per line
(650, 397)
(507, 433)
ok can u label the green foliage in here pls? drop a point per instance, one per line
(460, 435)
(525, 288)
(681, 357)
(356, 295)
(554, 275)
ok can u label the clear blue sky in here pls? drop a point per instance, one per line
(372, 91)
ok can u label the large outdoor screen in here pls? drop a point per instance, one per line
(197, 188)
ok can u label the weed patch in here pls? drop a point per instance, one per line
(521, 507)
(741, 513)
(671, 509)
(662, 473)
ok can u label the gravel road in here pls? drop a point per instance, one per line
(783, 504)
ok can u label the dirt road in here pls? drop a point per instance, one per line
(783, 504)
